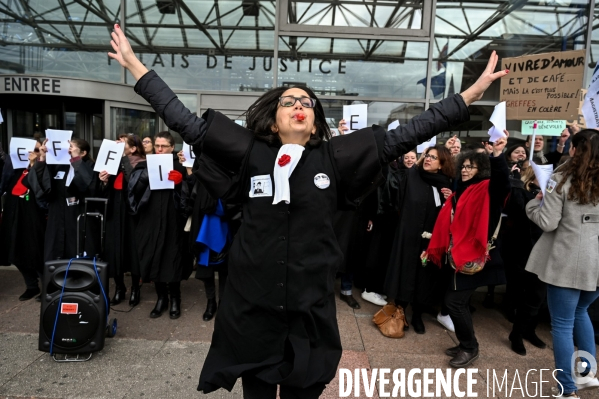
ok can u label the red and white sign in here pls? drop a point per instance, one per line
(69, 308)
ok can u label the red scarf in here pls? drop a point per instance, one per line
(118, 182)
(469, 231)
(19, 188)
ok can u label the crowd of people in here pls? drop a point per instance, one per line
(422, 231)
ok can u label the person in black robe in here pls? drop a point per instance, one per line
(120, 249)
(160, 220)
(23, 227)
(65, 188)
(422, 193)
(277, 322)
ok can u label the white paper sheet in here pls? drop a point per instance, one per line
(423, 146)
(393, 125)
(159, 166)
(543, 174)
(189, 156)
(1, 119)
(58, 147)
(19, 149)
(498, 121)
(109, 157)
(355, 116)
(590, 106)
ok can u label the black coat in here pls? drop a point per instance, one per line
(493, 273)
(277, 319)
(160, 219)
(23, 224)
(48, 183)
(407, 279)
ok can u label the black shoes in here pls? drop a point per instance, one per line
(175, 311)
(418, 324)
(119, 296)
(350, 301)
(135, 297)
(517, 344)
(161, 306)
(463, 359)
(210, 310)
(452, 352)
(534, 339)
(29, 293)
(489, 301)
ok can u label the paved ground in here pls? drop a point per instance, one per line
(162, 358)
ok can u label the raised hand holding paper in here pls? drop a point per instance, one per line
(19, 151)
(58, 147)
(189, 156)
(355, 116)
(159, 165)
(109, 157)
(498, 121)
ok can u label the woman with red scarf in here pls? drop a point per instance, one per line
(468, 222)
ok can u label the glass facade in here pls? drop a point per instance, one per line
(398, 57)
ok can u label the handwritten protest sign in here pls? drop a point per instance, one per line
(355, 116)
(19, 152)
(159, 166)
(544, 128)
(590, 106)
(543, 86)
(109, 157)
(189, 156)
(58, 147)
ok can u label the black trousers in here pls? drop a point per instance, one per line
(255, 388)
(30, 276)
(164, 289)
(119, 280)
(529, 299)
(210, 284)
(458, 304)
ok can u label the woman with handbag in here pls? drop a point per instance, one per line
(276, 324)
(566, 257)
(466, 231)
(422, 193)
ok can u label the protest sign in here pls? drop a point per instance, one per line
(355, 116)
(58, 147)
(159, 166)
(189, 156)
(543, 86)
(19, 151)
(423, 146)
(109, 157)
(544, 128)
(590, 105)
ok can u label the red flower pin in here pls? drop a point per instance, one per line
(284, 160)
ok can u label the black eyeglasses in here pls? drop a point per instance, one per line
(468, 167)
(432, 157)
(289, 101)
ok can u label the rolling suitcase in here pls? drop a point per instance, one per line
(75, 304)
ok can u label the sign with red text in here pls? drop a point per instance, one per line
(543, 86)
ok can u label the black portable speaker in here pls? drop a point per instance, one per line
(81, 320)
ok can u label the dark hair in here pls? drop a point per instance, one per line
(508, 153)
(134, 141)
(165, 135)
(583, 168)
(445, 160)
(481, 159)
(262, 115)
(83, 146)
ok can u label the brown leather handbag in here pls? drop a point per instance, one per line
(391, 320)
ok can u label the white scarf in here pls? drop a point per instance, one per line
(282, 173)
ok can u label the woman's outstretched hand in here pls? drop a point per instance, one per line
(475, 92)
(124, 54)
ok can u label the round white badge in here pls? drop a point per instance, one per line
(322, 181)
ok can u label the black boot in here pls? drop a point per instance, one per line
(119, 295)
(175, 311)
(350, 301)
(210, 310)
(29, 293)
(453, 351)
(161, 306)
(532, 337)
(135, 296)
(517, 344)
(463, 359)
(417, 323)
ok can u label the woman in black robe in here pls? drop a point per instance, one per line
(23, 225)
(65, 188)
(422, 193)
(120, 249)
(277, 322)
